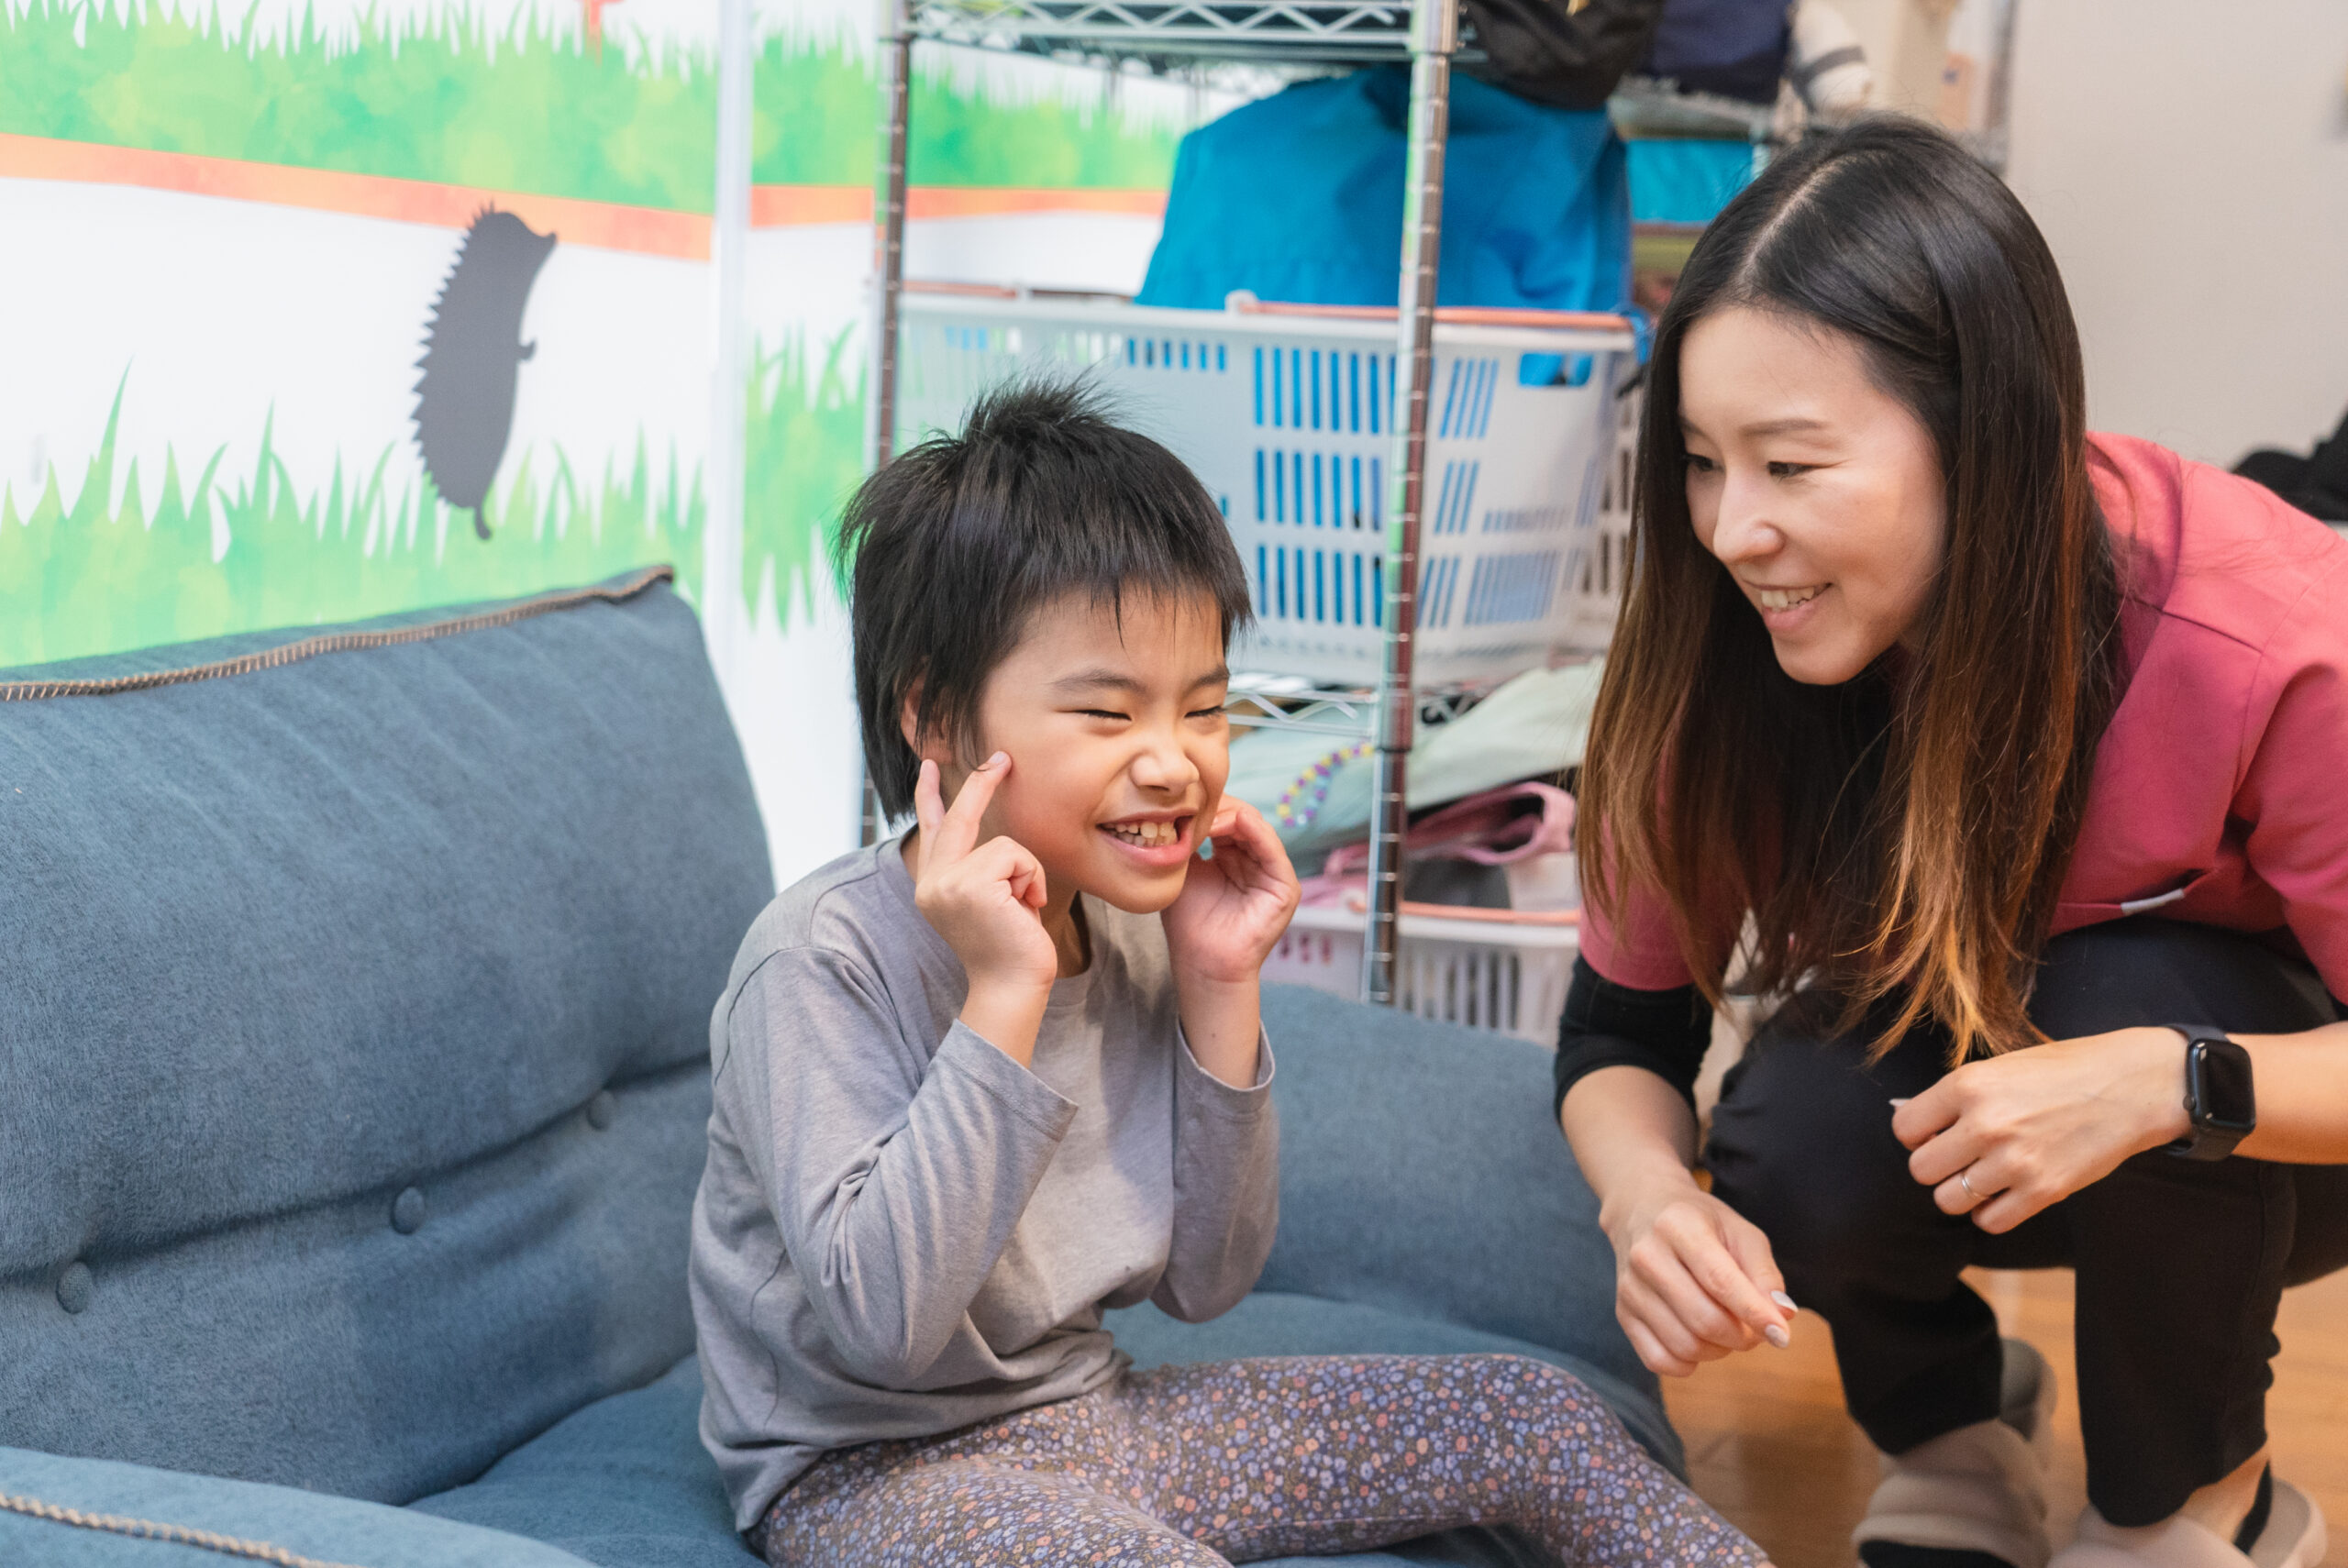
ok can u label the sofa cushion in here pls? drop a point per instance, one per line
(624, 1483)
(1421, 1173)
(353, 1038)
(147, 1517)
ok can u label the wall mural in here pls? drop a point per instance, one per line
(473, 359)
(363, 305)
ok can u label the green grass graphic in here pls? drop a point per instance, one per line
(802, 453)
(445, 98)
(816, 125)
(120, 566)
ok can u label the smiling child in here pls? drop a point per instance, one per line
(978, 1084)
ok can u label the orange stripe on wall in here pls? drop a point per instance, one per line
(611, 225)
(973, 201)
(651, 231)
(794, 205)
(784, 207)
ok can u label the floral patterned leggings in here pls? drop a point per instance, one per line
(1236, 1461)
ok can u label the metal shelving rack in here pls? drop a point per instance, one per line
(1263, 33)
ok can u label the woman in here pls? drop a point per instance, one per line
(2006, 760)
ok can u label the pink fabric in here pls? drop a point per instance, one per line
(1500, 826)
(2223, 777)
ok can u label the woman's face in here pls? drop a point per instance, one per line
(1818, 491)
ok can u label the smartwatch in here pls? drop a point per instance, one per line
(2218, 1093)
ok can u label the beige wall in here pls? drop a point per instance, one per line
(2189, 163)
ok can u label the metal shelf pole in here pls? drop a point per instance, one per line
(895, 66)
(1435, 38)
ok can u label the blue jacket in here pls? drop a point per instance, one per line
(1299, 198)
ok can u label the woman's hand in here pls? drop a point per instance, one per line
(1693, 1279)
(1232, 909)
(984, 900)
(2003, 1138)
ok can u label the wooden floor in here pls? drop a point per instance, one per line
(1770, 1445)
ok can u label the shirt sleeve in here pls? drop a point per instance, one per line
(2297, 838)
(1226, 1188)
(1666, 1032)
(895, 1176)
(1639, 950)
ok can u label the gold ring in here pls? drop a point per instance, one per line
(1963, 1180)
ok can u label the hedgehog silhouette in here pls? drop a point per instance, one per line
(472, 357)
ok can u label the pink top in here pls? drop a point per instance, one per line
(2221, 788)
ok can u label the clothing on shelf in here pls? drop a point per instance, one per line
(1534, 727)
(1298, 198)
(1464, 853)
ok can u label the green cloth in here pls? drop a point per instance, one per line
(1532, 727)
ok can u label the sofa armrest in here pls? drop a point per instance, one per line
(98, 1513)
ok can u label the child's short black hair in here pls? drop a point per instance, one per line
(952, 547)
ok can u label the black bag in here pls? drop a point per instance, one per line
(1733, 48)
(2317, 485)
(1569, 60)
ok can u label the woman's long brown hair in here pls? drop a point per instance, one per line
(1899, 838)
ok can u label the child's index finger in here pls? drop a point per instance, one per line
(960, 827)
(929, 806)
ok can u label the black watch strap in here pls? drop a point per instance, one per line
(2220, 1099)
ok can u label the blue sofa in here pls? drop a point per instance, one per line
(353, 1035)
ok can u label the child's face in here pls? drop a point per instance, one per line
(1118, 745)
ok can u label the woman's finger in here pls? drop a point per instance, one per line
(2008, 1210)
(1685, 1285)
(1670, 1329)
(1946, 1154)
(1651, 1352)
(1745, 1240)
(1969, 1188)
(1918, 1120)
(1722, 1276)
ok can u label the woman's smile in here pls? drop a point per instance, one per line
(1787, 598)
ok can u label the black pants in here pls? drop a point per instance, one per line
(2180, 1265)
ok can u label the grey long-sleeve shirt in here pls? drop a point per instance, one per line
(900, 1230)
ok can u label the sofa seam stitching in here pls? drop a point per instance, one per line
(148, 1530)
(334, 642)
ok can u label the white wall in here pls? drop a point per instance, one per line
(2188, 164)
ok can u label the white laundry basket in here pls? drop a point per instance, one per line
(1507, 974)
(1594, 597)
(1285, 413)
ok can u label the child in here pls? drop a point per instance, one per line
(977, 1085)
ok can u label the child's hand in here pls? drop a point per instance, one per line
(984, 899)
(1232, 909)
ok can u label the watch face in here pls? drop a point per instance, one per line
(2220, 1086)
